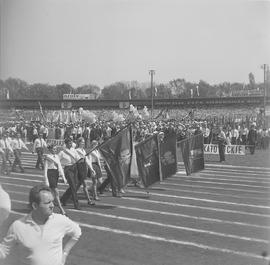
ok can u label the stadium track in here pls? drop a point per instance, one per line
(218, 216)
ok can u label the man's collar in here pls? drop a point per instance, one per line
(29, 218)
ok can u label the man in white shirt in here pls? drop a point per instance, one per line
(235, 135)
(37, 238)
(68, 158)
(5, 150)
(38, 147)
(17, 145)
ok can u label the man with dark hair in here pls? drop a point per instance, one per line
(38, 236)
(68, 158)
(38, 147)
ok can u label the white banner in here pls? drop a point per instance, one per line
(229, 149)
(57, 142)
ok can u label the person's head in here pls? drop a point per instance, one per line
(41, 200)
(81, 142)
(40, 135)
(52, 148)
(18, 135)
(94, 143)
(68, 142)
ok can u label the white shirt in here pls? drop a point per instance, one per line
(68, 157)
(39, 143)
(18, 144)
(36, 245)
(82, 153)
(235, 133)
(52, 162)
(5, 144)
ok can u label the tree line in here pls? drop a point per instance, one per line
(14, 88)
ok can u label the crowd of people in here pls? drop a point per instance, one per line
(74, 164)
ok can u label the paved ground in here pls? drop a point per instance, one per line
(218, 216)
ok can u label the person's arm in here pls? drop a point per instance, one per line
(88, 160)
(61, 172)
(74, 232)
(23, 145)
(45, 172)
(34, 146)
(8, 242)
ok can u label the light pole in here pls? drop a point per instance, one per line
(152, 72)
(265, 72)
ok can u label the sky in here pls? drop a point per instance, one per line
(104, 41)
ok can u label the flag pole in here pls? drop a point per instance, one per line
(152, 72)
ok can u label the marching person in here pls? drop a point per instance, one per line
(95, 158)
(84, 166)
(52, 171)
(68, 158)
(9, 150)
(38, 147)
(252, 139)
(221, 144)
(38, 236)
(5, 149)
(17, 145)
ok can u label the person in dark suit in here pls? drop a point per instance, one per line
(252, 139)
(221, 144)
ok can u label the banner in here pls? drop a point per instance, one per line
(196, 154)
(148, 160)
(167, 154)
(57, 142)
(117, 152)
(192, 153)
(229, 149)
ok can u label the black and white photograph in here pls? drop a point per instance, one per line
(134, 132)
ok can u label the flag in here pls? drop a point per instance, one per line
(167, 154)
(41, 111)
(148, 160)
(192, 153)
(117, 153)
(197, 88)
(155, 92)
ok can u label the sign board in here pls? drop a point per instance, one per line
(78, 96)
(123, 105)
(229, 149)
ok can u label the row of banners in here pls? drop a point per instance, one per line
(155, 158)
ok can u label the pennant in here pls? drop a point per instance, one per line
(117, 153)
(148, 160)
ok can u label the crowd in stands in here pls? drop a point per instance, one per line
(183, 122)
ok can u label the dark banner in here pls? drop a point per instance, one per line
(192, 152)
(117, 153)
(196, 156)
(148, 160)
(167, 151)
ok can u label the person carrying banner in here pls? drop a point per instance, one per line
(68, 158)
(107, 181)
(38, 147)
(17, 144)
(52, 171)
(221, 144)
(41, 237)
(95, 157)
(84, 165)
